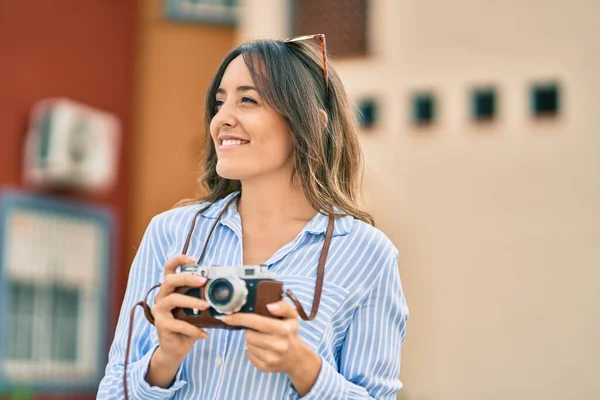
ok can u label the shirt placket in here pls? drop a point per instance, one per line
(225, 342)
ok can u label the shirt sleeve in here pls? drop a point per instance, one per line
(145, 272)
(369, 363)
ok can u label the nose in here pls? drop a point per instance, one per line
(225, 117)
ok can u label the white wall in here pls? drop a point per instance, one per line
(498, 225)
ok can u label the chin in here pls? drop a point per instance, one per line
(233, 173)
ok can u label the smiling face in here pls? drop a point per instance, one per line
(251, 139)
(296, 126)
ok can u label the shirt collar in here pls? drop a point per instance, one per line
(215, 209)
(316, 226)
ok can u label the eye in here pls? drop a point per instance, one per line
(249, 100)
(218, 104)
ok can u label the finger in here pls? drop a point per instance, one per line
(282, 309)
(178, 280)
(262, 360)
(262, 324)
(172, 264)
(175, 300)
(169, 269)
(174, 281)
(265, 342)
(167, 325)
(249, 320)
(256, 361)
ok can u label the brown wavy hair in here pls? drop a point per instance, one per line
(327, 160)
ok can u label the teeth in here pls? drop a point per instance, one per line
(231, 142)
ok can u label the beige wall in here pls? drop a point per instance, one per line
(498, 226)
(175, 64)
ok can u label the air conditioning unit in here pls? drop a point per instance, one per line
(71, 145)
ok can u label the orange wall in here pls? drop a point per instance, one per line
(175, 64)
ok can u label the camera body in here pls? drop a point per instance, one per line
(245, 289)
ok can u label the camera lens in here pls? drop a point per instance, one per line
(227, 294)
(221, 291)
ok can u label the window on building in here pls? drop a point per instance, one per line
(423, 108)
(367, 113)
(484, 104)
(53, 307)
(344, 22)
(545, 100)
(202, 11)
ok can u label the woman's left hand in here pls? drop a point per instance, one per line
(273, 345)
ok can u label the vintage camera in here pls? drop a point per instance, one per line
(246, 289)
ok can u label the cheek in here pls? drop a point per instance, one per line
(212, 128)
(276, 147)
(275, 136)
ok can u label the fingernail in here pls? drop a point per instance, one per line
(201, 279)
(225, 318)
(273, 307)
(192, 260)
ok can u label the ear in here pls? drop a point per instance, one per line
(324, 117)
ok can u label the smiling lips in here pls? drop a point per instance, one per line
(229, 141)
(233, 142)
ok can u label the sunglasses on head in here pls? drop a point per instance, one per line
(321, 38)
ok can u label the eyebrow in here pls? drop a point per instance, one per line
(240, 89)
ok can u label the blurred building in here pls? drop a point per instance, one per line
(52, 309)
(147, 62)
(480, 129)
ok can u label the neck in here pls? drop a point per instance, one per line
(273, 200)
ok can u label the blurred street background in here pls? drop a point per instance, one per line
(481, 135)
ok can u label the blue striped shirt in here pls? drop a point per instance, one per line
(358, 332)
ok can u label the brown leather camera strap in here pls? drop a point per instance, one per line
(320, 276)
(316, 299)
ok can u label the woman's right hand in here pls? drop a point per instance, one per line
(176, 338)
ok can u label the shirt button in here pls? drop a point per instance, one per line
(218, 361)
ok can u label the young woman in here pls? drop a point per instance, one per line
(282, 173)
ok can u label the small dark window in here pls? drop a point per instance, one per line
(545, 100)
(367, 113)
(423, 108)
(484, 104)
